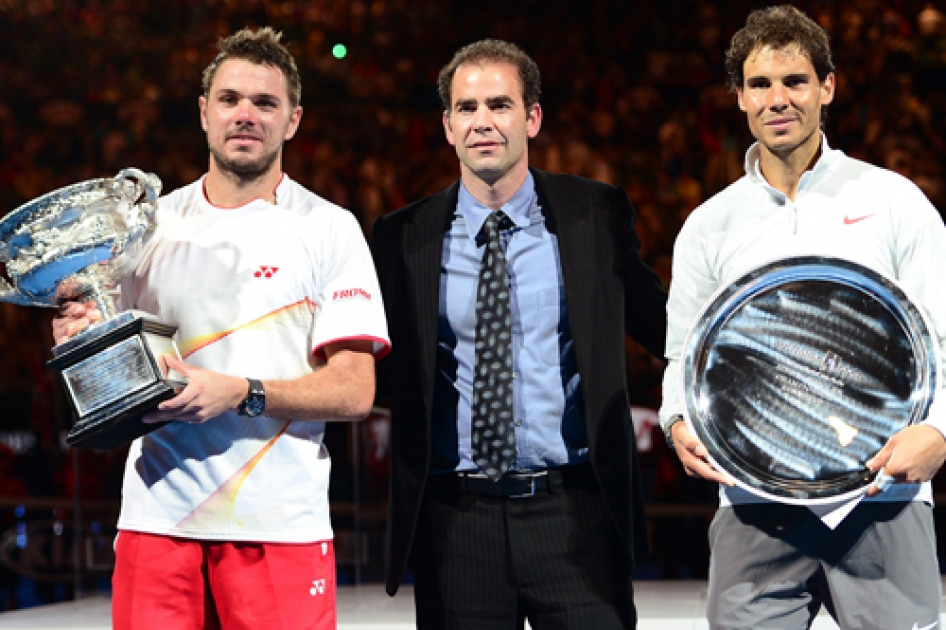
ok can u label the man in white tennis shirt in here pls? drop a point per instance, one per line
(774, 565)
(225, 520)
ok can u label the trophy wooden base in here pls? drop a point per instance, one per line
(113, 378)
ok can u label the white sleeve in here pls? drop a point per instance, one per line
(349, 298)
(693, 283)
(920, 242)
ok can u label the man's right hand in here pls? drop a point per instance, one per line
(72, 319)
(693, 455)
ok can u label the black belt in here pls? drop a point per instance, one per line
(515, 485)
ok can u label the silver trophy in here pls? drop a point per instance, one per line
(800, 371)
(76, 244)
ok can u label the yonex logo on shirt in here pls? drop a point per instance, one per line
(318, 588)
(265, 272)
(347, 294)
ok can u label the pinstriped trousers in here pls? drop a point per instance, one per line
(488, 563)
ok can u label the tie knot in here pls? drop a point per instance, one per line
(495, 222)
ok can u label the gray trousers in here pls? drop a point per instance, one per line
(774, 566)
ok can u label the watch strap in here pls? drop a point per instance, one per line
(254, 402)
(668, 430)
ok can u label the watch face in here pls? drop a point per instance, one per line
(255, 401)
(255, 405)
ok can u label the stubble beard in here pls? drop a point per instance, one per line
(490, 172)
(246, 171)
(789, 149)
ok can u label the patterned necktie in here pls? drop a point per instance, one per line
(494, 437)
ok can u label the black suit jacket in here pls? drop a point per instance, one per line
(609, 291)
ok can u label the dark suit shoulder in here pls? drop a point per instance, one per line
(563, 190)
(408, 213)
(572, 182)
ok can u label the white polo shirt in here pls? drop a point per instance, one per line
(255, 291)
(844, 208)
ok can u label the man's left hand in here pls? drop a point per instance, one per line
(207, 395)
(911, 456)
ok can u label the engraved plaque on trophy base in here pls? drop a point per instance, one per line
(112, 378)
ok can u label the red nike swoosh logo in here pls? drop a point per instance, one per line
(848, 220)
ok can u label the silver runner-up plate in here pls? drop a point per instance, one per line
(800, 371)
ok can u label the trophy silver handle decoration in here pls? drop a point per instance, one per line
(76, 244)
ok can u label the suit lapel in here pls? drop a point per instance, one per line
(423, 244)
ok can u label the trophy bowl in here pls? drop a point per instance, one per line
(76, 244)
(800, 371)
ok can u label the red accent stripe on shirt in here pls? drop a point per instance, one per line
(378, 354)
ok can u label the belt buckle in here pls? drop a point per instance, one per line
(529, 493)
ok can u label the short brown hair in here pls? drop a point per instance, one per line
(494, 51)
(261, 47)
(778, 28)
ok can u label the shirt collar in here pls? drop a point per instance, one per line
(828, 157)
(518, 208)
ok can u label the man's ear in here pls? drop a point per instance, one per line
(294, 120)
(202, 105)
(534, 120)
(828, 87)
(447, 129)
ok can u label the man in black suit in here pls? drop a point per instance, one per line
(514, 488)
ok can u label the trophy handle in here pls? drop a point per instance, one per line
(8, 293)
(102, 298)
(148, 184)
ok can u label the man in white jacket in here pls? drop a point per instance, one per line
(774, 565)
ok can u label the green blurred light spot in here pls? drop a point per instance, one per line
(339, 51)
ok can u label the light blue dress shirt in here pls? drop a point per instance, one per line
(550, 427)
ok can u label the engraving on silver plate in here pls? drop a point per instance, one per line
(109, 375)
(798, 372)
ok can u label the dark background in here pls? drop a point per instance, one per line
(633, 94)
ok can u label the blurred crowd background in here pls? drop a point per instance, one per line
(633, 93)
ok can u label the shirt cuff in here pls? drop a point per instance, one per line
(936, 417)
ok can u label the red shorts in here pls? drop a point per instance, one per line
(169, 583)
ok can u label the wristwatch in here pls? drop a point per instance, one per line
(255, 402)
(668, 430)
